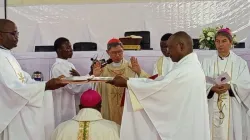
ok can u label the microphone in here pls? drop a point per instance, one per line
(109, 61)
(103, 63)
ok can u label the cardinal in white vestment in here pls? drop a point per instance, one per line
(88, 124)
(164, 63)
(175, 104)
(228, 103)
(21, 98)
(67, 98)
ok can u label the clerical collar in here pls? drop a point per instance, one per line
(222, 58)
(116, 64)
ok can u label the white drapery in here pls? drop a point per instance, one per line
(99, 22)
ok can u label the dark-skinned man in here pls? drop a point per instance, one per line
(88, 124)
(66, 99)
(21, 98)
(176, 105)
(164, 63)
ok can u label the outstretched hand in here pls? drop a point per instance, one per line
(118, 81)
(55, 83)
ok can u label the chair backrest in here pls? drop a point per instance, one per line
(145, 43)
(196, 43)
(85, 46)
(240, 45)
(44, 48)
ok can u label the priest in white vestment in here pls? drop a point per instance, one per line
(88, 124)
(21, 98)
(66, 99)
(228, 103)
(176, 104)
(164, 63)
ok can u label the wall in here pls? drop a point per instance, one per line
(99, 22)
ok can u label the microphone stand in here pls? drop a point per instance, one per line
(5, 9)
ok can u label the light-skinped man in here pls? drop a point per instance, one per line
(228, 103)
(112, 96)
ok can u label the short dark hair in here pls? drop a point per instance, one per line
(165, 37)
(98, 106)
(112, 45)
(225, 34)
(58, 43)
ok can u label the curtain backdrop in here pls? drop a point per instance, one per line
(40, 2)
(42, 24)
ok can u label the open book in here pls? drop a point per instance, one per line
(86, 79)
(219, 80)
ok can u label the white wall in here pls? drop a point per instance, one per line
(1, 8)
(42, 24)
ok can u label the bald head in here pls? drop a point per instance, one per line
(180, 44)
(8, 34)
(183, 39)
(4, 23)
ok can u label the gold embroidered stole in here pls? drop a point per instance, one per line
(83, 133)
(17, 69)
(159, 65)
(223, 104)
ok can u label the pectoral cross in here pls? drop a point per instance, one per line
(21, 77)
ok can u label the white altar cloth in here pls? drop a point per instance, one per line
(42, 61)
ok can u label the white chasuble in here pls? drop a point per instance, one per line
(228, 114)
(173, 108)
(21, 102)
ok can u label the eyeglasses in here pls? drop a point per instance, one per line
(14, 33)
(116, 52)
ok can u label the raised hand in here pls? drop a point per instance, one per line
(55, 83)
(97, 70)
(73, 72)
(135, 67)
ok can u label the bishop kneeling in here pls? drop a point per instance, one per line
(228, 103)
